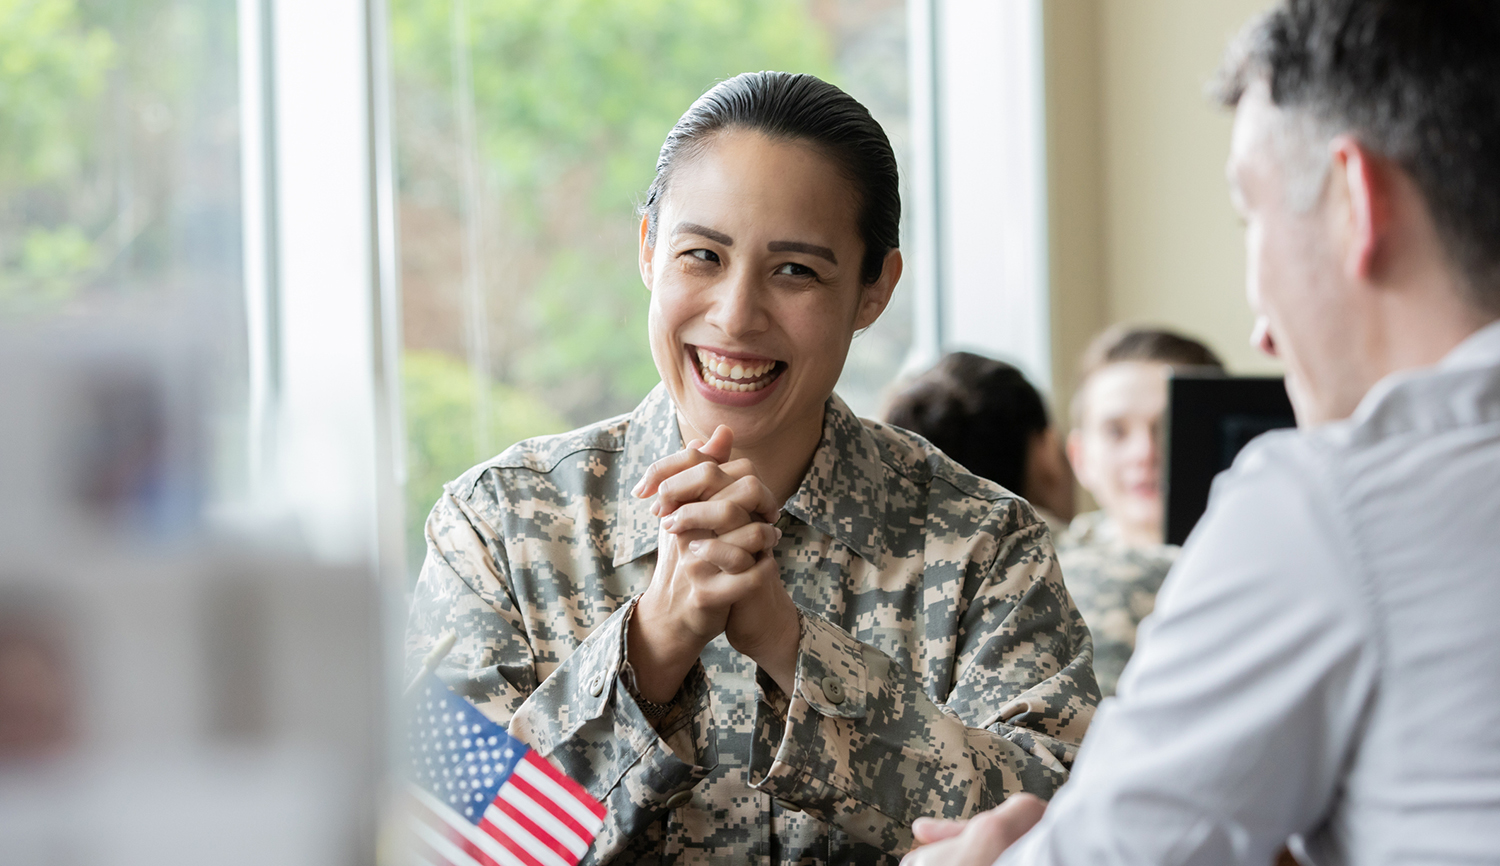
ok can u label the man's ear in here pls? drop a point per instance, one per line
(876, 296)
(1361, 189)
(647, 252)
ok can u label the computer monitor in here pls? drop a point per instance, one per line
(1209, 419)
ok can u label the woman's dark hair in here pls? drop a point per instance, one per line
(805, 109)
(981, 412)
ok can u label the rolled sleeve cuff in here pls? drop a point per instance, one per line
(584, 718)
(792, 751)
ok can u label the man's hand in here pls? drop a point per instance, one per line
(715, 570)
(978, 841)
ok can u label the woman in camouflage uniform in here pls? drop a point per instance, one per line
(758, 628)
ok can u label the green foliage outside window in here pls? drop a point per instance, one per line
(439, 395)
(53, 69)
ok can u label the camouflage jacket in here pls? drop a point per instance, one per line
(1114, 586)
(941, 667)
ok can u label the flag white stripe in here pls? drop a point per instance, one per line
(482, 840)
(523, 837)
(441, 844)
(560, 795)
(544, 819)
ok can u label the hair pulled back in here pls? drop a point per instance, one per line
(979, 411)
(805, 109)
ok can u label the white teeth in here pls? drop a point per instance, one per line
(719, 373)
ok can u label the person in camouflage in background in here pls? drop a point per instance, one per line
(1114, 559)
(756, 627)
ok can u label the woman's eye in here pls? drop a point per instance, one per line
(792, 269)
(704, 255)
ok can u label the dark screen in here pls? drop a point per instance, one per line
(1209, 419)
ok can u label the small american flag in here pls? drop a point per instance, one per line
(480, 796)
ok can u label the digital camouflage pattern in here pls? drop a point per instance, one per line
(1114, 587)
(942, 665)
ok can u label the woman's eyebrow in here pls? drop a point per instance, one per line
(704, 231)
(800, 247)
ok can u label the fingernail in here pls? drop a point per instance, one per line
(636, 490)
(778, 533)
(670, 523)
(695, 548)
(656, 508)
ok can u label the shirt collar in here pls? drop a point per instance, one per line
(1479, 349)
(652, 435)
(843, 494)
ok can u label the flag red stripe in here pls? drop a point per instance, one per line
(436, 822)
(534, 829)
(510, 844)
(579, 792)
(563, 816)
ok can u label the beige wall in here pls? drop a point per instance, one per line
(1140, 225)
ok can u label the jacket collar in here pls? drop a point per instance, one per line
(843, 494)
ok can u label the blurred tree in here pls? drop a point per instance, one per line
(53, 69)
(572, 99)
(439, 395)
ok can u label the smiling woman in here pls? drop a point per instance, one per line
(757, 627)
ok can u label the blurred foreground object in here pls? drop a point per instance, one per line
(165, 697)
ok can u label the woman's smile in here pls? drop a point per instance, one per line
(734, 378)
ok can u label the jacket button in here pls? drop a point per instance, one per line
(596, 685)
(678, 799)
(833, 690)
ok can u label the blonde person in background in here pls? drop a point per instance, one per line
(1114, 559)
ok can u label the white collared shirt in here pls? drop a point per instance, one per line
(1324, 659)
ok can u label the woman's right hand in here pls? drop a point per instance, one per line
(730, 512)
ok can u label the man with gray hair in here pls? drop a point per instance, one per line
(1323, 665)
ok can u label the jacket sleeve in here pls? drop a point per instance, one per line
(578, 713)
(864, 743)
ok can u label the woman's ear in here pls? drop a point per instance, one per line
(647, 253)
(874, 297)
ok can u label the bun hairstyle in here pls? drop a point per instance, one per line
(805, 109)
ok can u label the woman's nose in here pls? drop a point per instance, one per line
(738, 306)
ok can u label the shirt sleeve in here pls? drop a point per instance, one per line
(862, 744)
(580, 714)
(1239, 709)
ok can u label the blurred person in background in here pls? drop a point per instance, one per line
(754, 626)
(984, 414)
(1114, 559)
(1323, 665)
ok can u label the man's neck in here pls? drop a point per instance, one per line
(1418, 327)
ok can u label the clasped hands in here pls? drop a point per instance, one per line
(716, 571)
